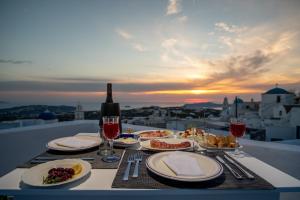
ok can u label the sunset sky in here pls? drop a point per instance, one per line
(152, 51)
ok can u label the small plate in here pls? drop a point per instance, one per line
(125, 144)
(54, 146)
(211, 168)
(34, 175)
(170, 134)
(146, 144)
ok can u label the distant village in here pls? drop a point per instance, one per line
(275, 118)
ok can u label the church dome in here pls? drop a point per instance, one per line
(47, 115)
(277, 90)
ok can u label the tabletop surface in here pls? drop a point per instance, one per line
(101, 179)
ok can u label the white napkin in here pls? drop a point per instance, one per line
(74, 142)
(182, 164)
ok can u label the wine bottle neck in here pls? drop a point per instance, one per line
(109, 98)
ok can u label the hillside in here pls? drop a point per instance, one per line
(32, 111)
(202, 105)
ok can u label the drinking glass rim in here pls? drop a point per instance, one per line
(238, 123)
(110, 117)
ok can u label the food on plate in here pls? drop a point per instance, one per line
(211, 139)
(220, 141)
(60, 174)
(128, 140)
(129, 130)
(154, 134)
(164, 145)
(77, 168)
(208, 139)
(189, 133)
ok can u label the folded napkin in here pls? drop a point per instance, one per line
(73, 142)
(182, 164)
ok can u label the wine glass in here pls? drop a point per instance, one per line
(111, 131)
(103, 151)
(237, 129)
(193, 130)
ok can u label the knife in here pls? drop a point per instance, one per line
(44, 161)
(57, 158)
(249, 176)
(234, 173)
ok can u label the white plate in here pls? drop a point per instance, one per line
(205, 146)
(211, 168)
(171, 134)
(146, 144)
(123, 144)
(34, 175)
(54, 146)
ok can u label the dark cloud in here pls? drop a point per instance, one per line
(87, 86)
(39, 86)
(17, 62)
(267, 86)
(239, 68)
(77, 79)
(245, 66)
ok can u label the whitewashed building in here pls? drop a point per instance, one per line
(244, 108)
(278, 113)
(273, 99)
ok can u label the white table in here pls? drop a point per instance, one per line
(98, 186)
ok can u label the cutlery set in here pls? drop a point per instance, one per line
(248, 175)
(233, 171)
(137, 158)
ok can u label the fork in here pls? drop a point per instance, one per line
(138, 158)
(129, 161)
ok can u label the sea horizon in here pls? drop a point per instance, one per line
(93, 106)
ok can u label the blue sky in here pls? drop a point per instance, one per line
(163, 50)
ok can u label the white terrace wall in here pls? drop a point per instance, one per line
(285, 133)
(18, 145)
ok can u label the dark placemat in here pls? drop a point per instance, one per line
(97, 163)
(149, 180)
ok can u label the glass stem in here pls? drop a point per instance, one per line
(111, 147)
(236, 151)
(194, 132)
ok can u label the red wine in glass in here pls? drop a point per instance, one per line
(111, 130)
(237, 129)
